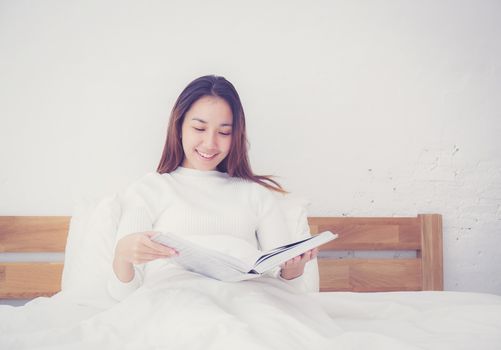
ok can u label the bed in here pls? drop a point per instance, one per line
(379, 285)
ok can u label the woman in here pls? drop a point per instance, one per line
(203, 185)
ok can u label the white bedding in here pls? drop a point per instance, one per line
(187, 311)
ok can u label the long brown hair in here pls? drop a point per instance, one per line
(236, 163)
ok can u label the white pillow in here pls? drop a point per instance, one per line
(89, 251)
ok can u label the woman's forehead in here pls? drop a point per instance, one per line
(211, 110)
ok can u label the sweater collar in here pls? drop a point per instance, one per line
(200, 173)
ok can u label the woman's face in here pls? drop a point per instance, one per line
(206, 133)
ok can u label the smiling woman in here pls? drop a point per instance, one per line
(210, 104)
(204, 186)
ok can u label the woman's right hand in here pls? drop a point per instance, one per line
(138, 248)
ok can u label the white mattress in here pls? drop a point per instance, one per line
(191, 312)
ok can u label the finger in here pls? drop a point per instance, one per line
(314, 253)
(306, 256)
(150, 257)
(161, 248)
(143, 246)
(293, 262)
(150, 234)
(144, 258)
(147, 250)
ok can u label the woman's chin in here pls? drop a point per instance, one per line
(203, 166)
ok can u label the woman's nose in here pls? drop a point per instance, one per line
(210, 140)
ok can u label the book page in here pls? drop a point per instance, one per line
(205, 261)
(289, 251)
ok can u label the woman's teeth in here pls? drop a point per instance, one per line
(206, 155)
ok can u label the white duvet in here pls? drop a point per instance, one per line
(187, 311)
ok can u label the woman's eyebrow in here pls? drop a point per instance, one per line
(200, 120)
(204, 122)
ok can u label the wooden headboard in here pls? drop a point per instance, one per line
(421, 234)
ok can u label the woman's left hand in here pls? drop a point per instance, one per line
(295, 267)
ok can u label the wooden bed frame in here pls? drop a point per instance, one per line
(422, 234)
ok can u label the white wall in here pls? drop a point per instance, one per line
(366, 108)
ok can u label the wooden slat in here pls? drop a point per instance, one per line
(33, 233)
(370, 275)
(29, 280)
(344, 220)
(369, 233)
(431, 253)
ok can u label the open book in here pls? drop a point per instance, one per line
(215, 264)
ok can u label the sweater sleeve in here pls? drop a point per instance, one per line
(272, 231)
(141, 204)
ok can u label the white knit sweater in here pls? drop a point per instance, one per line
(194, 202)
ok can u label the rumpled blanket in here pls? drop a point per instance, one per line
(189, 311)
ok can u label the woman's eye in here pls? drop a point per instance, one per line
(221, 133)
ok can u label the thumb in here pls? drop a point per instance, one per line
(150, 234)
